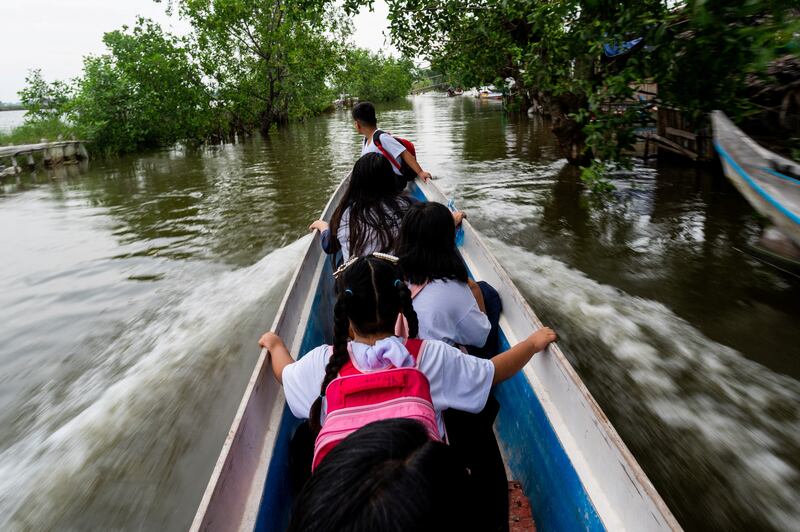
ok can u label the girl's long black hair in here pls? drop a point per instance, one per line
(371, 294)
(388, 476)
(426, 245)
(375, 207)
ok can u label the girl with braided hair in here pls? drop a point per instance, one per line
(371, 294)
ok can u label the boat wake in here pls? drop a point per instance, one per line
(91, 450)
(694, 412)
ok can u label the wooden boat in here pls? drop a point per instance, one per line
(767, 180)
(557, 442)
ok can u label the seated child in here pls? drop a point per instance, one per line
(366, 124)
(370, 296)
(388, 476)
(368, 216)
(450, 306)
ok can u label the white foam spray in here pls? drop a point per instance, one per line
(94, 448)
(714, 417)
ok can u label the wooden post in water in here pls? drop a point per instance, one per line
(82, 153)
(70, 152)
(58, 154)
(31, 161)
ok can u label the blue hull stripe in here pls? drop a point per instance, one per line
(536, 458)
(755, 186)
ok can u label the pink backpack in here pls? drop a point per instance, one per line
(356, 399)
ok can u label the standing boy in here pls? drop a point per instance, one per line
(366, 124)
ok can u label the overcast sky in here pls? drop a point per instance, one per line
(55, 35)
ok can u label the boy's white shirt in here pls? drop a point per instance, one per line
(389, 143)
(457, 380)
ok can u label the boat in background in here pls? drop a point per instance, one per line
(489, 93)
(555, 439)
(770, 183)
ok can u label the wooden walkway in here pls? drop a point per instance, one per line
(52, 153)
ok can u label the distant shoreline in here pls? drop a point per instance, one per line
(11, 107)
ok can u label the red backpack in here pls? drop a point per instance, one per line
(401, 165)
(356, 399)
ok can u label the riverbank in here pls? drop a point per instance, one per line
(158, 271)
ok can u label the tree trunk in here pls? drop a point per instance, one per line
(570, 136)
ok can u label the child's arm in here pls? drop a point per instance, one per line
(508, 363)
(477, 294)
(326, 238)
(279, 355)
(411, 161)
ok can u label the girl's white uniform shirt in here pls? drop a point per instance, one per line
(371, 242)
(447, 311)
(457, 380)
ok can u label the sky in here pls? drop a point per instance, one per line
(55, 35)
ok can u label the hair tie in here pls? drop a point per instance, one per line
(348, 292)
(398, 283)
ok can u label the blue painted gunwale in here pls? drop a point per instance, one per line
(755, 186)
(534, 454)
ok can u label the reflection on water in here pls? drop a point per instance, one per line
(132, 292)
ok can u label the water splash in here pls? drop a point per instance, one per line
(94, 447)
(695, 411)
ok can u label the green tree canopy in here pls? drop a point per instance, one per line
(146, 92)
(373, 76)
(267, 61)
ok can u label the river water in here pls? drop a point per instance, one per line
(132, 294)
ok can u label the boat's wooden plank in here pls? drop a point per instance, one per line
(668, 144)
(680, 133)
(520, 518)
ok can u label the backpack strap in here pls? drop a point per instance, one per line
(414, 346)
(417, 288)
(376, 140)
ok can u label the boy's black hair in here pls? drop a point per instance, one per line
(374, 207)
(388, 476)
(364, 112)
(426, 245)
(371, 294)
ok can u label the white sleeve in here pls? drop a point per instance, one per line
(474, 326)
(393, 146)
(302, 379)
(457, 380)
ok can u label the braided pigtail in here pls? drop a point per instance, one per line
(341, 331)
(407, 308)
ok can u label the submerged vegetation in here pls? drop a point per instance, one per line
(580, 61)
(246, 66)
